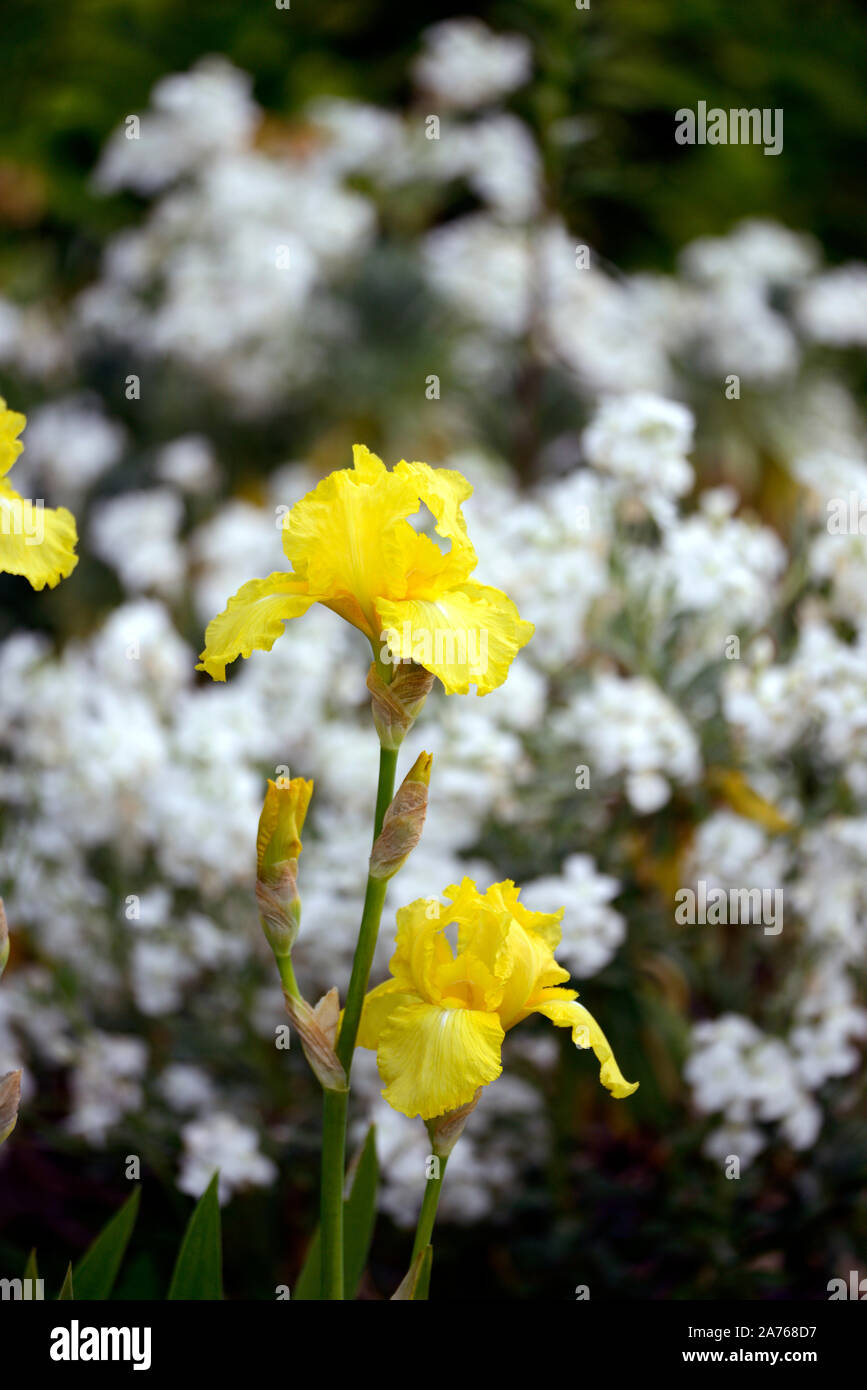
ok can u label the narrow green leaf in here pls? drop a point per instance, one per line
(98, 1267)
(30, 1269)
(414, 1285)
(308, 1283)
(199, 1267)
(359, 1216)
(66, 1294)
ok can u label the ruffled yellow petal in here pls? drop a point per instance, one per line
(587, 1033)
(348, 537)
(433, 1059)
(252, 619)
(35, 541)
(543, 924)
(467, 636)
(443, 491)
(421, 948)
(11, 425)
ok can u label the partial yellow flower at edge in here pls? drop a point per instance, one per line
(438, 1025)
(35, 542)
(352, 548)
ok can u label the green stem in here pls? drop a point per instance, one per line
(334, 1108)
(287, 975)
(373, 901)
(427, 1215)
(335, 1104)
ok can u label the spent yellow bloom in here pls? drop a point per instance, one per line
(278, 845)
(352, 548)
(35, 541)
(438, 1025)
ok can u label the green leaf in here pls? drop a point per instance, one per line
(66, 1294)
(98, 1267)
(308, 1283)
(414, 1286)
(199, 1267)
(30, 1269)
(359, 1216)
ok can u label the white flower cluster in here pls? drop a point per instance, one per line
(133, 788)
(750, 1078)
(630, 727)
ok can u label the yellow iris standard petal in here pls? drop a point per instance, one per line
(252, 619)
(470, 635)
(421, 949)
(348, 536)
(443, 491)
(587, 1033)
(434, 1059)
(543, 924)
(35, 541)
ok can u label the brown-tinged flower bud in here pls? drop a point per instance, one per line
(317, 1029)
(396, 705)
(278, 845)
(10, 1099)
(446, 1130)
(4, 938)
(403, 821)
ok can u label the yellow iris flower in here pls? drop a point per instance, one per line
(352, 548)
(438, 1026)
(35, 541)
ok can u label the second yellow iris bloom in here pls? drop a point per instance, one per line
(438, 1025)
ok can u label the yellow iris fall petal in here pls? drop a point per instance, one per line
(36, 542)
(438, 1024)
(352, 548)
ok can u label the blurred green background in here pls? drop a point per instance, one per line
(74, 70)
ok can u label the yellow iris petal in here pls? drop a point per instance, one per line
(433, 1060)
(379, 1005)
(11, 425)
(252, 619)
(421, 949)
(587, 1033)
(347, 537)
(443, 491)
(543, 924)
(467, 636)
(35, 541)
